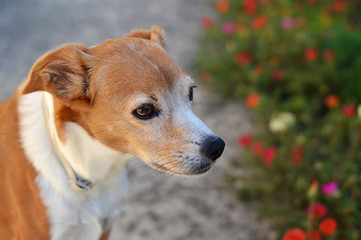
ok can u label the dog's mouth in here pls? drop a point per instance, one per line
(186, 171)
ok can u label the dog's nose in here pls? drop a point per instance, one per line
(212, 147)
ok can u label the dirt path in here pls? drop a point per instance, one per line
(159, 207)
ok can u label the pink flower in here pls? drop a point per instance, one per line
(287, 23)
(269, 155)
(329, 188)
(348, 110)
(227, 28)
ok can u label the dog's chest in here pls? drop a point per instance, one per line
(85, 215)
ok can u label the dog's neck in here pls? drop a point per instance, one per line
(89, 158)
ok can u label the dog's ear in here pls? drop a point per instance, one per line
(63, 72)
(156, 34)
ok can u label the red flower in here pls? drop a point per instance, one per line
(245, 140)
(222, 6)
(332, 101)
(206, 22)
(348, 110)
(328, 55)
(312, 235)
(293, 234)
(250, 6)
(252, 100)
(269, 155)
(311, 54)
(328, 226)
(257, 148)
(259, 22)
(317, 210)
(243, 58)
(338, 6)
(277, 75)
(298, 154)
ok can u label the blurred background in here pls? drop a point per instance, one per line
(280, 81)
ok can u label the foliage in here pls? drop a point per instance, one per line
(297, 65)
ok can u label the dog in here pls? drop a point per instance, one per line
(82, 113)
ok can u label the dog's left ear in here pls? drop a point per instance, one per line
(63, 73)
(156, 34)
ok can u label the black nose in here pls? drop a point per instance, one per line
(212, 147)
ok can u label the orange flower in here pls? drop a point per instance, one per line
(332, 101)
(259, 22)
(311, 54)
(222, 6)
(252, 100)
(206, 76)
(243, 58)
(328, 226)
(293, 234)
(206, 22)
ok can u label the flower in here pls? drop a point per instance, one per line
(328, 55)
(298, 154)
(257, 148)
(206, 22)
(348, 110)
(317, 210)
(252, 100)
(287, 23)
(311, 54)
(269, 155)
(259, 22)
(227, 28)
(328, 226)
(277, 75)
(250, 6)
(312, 191)
(312, 235)
(293, 234)
(332, 101)
(338, 6)
(245, 140)
(222, 6)
(243, 58)
(329, 188)
(311, 1)
(281, 122)
(206, 76)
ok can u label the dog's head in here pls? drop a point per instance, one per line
(132, 97)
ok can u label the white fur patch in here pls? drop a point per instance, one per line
(72, 215)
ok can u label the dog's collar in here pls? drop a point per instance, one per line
(77, 183)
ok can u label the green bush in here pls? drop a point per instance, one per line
(297, 65)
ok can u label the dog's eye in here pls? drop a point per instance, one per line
(145, 112)
(190, 94)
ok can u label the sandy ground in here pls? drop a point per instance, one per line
(159, 207)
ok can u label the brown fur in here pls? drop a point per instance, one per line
(82, 82)
(22, 213)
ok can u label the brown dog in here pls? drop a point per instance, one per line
(68, 131)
